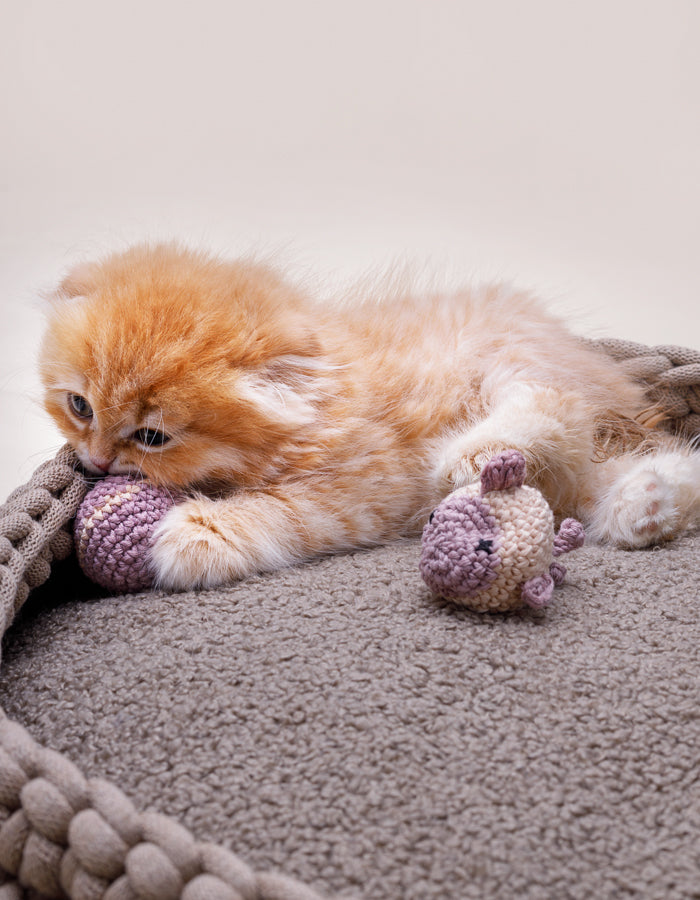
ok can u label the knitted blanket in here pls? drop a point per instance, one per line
(334, 722)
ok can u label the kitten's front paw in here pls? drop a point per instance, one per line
(461, 463)
(190, 549)
(641, 512)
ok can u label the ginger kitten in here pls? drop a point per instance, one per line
(302, 427)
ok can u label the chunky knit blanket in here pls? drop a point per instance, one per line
(63, 834)
(672, 377)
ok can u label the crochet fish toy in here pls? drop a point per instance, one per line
(491, 546)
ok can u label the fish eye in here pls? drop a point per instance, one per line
(79, 406)
(150, 437)
(485, 545)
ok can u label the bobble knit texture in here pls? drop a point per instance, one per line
(114, 529)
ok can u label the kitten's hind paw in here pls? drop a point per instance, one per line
(640, 511)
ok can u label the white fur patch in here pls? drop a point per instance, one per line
(203, 543)
(277, 400)
(653, 501)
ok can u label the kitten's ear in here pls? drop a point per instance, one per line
(287, 390)
(81, 280)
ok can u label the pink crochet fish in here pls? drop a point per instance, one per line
(491, 546)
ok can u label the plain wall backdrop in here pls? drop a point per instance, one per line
(555, 144)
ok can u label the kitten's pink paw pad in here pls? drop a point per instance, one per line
(644, 512)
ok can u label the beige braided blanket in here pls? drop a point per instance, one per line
(62, 835)
(672, 376)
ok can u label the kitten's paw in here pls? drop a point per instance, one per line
(191, 549)
(642, 510)
(461, 463)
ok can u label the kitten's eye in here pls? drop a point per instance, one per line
(149, 437)
(80, 406)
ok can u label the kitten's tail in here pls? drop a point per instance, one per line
(617, 434)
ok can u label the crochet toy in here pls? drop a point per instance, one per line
(491, 546)
(113, 530)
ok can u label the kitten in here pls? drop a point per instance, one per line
(300, 427)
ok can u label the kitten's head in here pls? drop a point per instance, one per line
(182, 368)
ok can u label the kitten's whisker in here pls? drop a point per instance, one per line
(116, 406)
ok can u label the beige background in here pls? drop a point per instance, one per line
(553, 143)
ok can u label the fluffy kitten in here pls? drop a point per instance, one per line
(301, 427)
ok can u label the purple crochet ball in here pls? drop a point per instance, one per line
(113, 530)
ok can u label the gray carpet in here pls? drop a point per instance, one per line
(335, 722)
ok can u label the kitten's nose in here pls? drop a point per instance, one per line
(102, 463)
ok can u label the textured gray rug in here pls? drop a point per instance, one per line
(335, 722)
